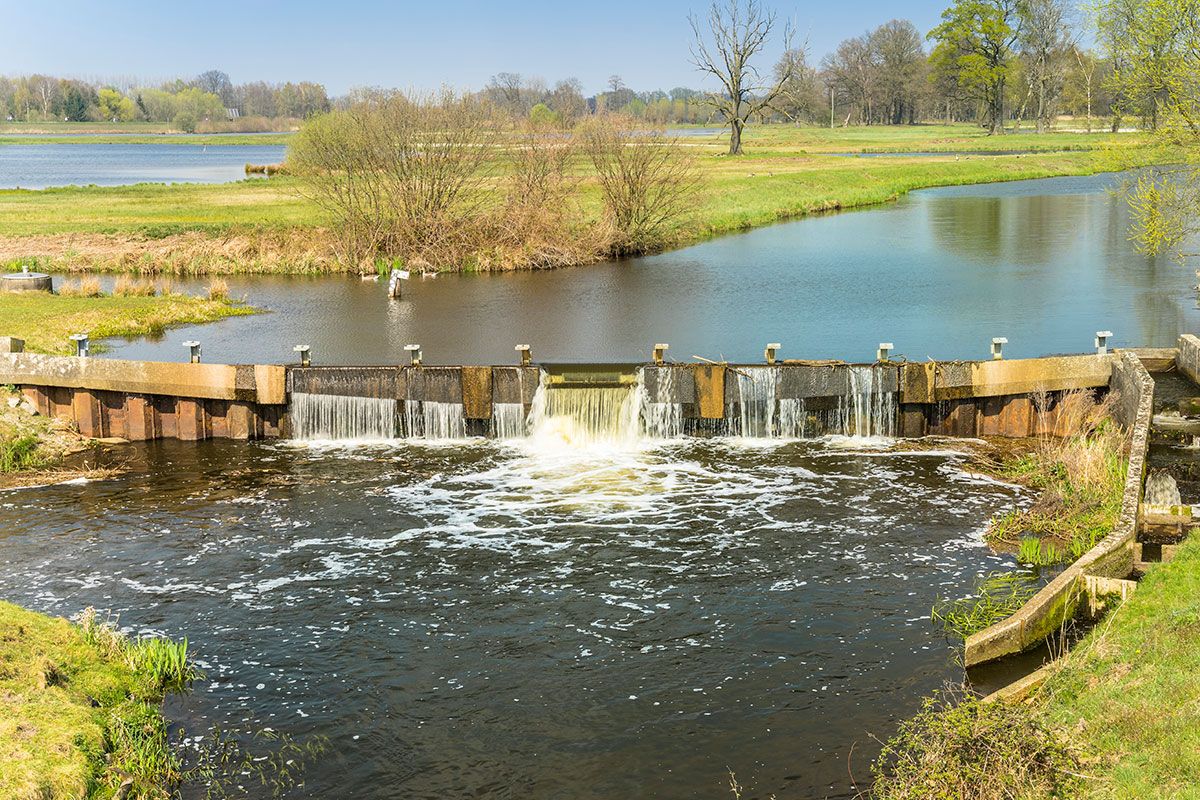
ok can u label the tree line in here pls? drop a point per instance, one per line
(208, 97)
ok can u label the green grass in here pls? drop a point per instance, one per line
(1129, 694)
(75, 712)
(996, 597)
(19, 453)
(45, 321)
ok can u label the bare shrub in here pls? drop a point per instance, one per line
(539, 223)
(399, 174)
(646, 180)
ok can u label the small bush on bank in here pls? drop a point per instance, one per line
(959, 748)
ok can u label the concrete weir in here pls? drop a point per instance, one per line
(790, 399)
(140, 400)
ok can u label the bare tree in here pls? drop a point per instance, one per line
(736, 32)
(398, 174)
(800, 96)
(1045, 47)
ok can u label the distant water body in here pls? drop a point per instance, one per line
(39, 166)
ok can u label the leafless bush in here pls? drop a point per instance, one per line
(646, 180)
(399, 174)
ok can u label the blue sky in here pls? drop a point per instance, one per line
(418, 45)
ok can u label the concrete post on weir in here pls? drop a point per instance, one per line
(305, 354)
(660, 352)
(884, 351)
(1102, 338)
(526, 354)
(194, 348)
(998, 347)
(414, 354)
(770, 352)
(81, 344)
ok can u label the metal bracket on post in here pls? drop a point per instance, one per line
(194, 347)
(770, 352)
(81, 344)
(526, 354)
(660, 353)
(305, 354)
(885, 350)
(1102, 338)
(414, 354)
(998, 347)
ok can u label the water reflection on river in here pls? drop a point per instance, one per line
(490, 620)
(1045, 263)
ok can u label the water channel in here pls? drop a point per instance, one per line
(1044, 263)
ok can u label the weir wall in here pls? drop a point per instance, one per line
(147, 400)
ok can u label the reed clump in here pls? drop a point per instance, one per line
(127, 286)
(84, 287)
(996, 597)
(218, 289)
(1078, 467)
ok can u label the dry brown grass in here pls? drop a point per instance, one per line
(218, 289)
(84, 287)
(125, 286)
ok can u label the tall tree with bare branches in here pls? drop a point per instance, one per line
(737, 31)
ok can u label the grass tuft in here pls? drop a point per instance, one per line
(996, 597)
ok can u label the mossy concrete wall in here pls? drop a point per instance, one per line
(1112, 557)
(1188, 358)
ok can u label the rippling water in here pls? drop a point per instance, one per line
(520, 620)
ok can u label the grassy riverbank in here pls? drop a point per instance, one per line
(267, 226)
(1128, 697)
(79, 709)
(45, 321)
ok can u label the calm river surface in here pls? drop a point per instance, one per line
(515, 621)
(1045, 263)
(37, 166)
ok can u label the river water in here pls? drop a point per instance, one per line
(1044, 263)
(484, 619)
(37, 166)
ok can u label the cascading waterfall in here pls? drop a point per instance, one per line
(662, 417)
(793, 419)
(757, 389)
(508, 421)
(330, 416)
(586, 415)
(867, 410)
(432, 420)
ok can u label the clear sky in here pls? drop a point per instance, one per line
(399, 44)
